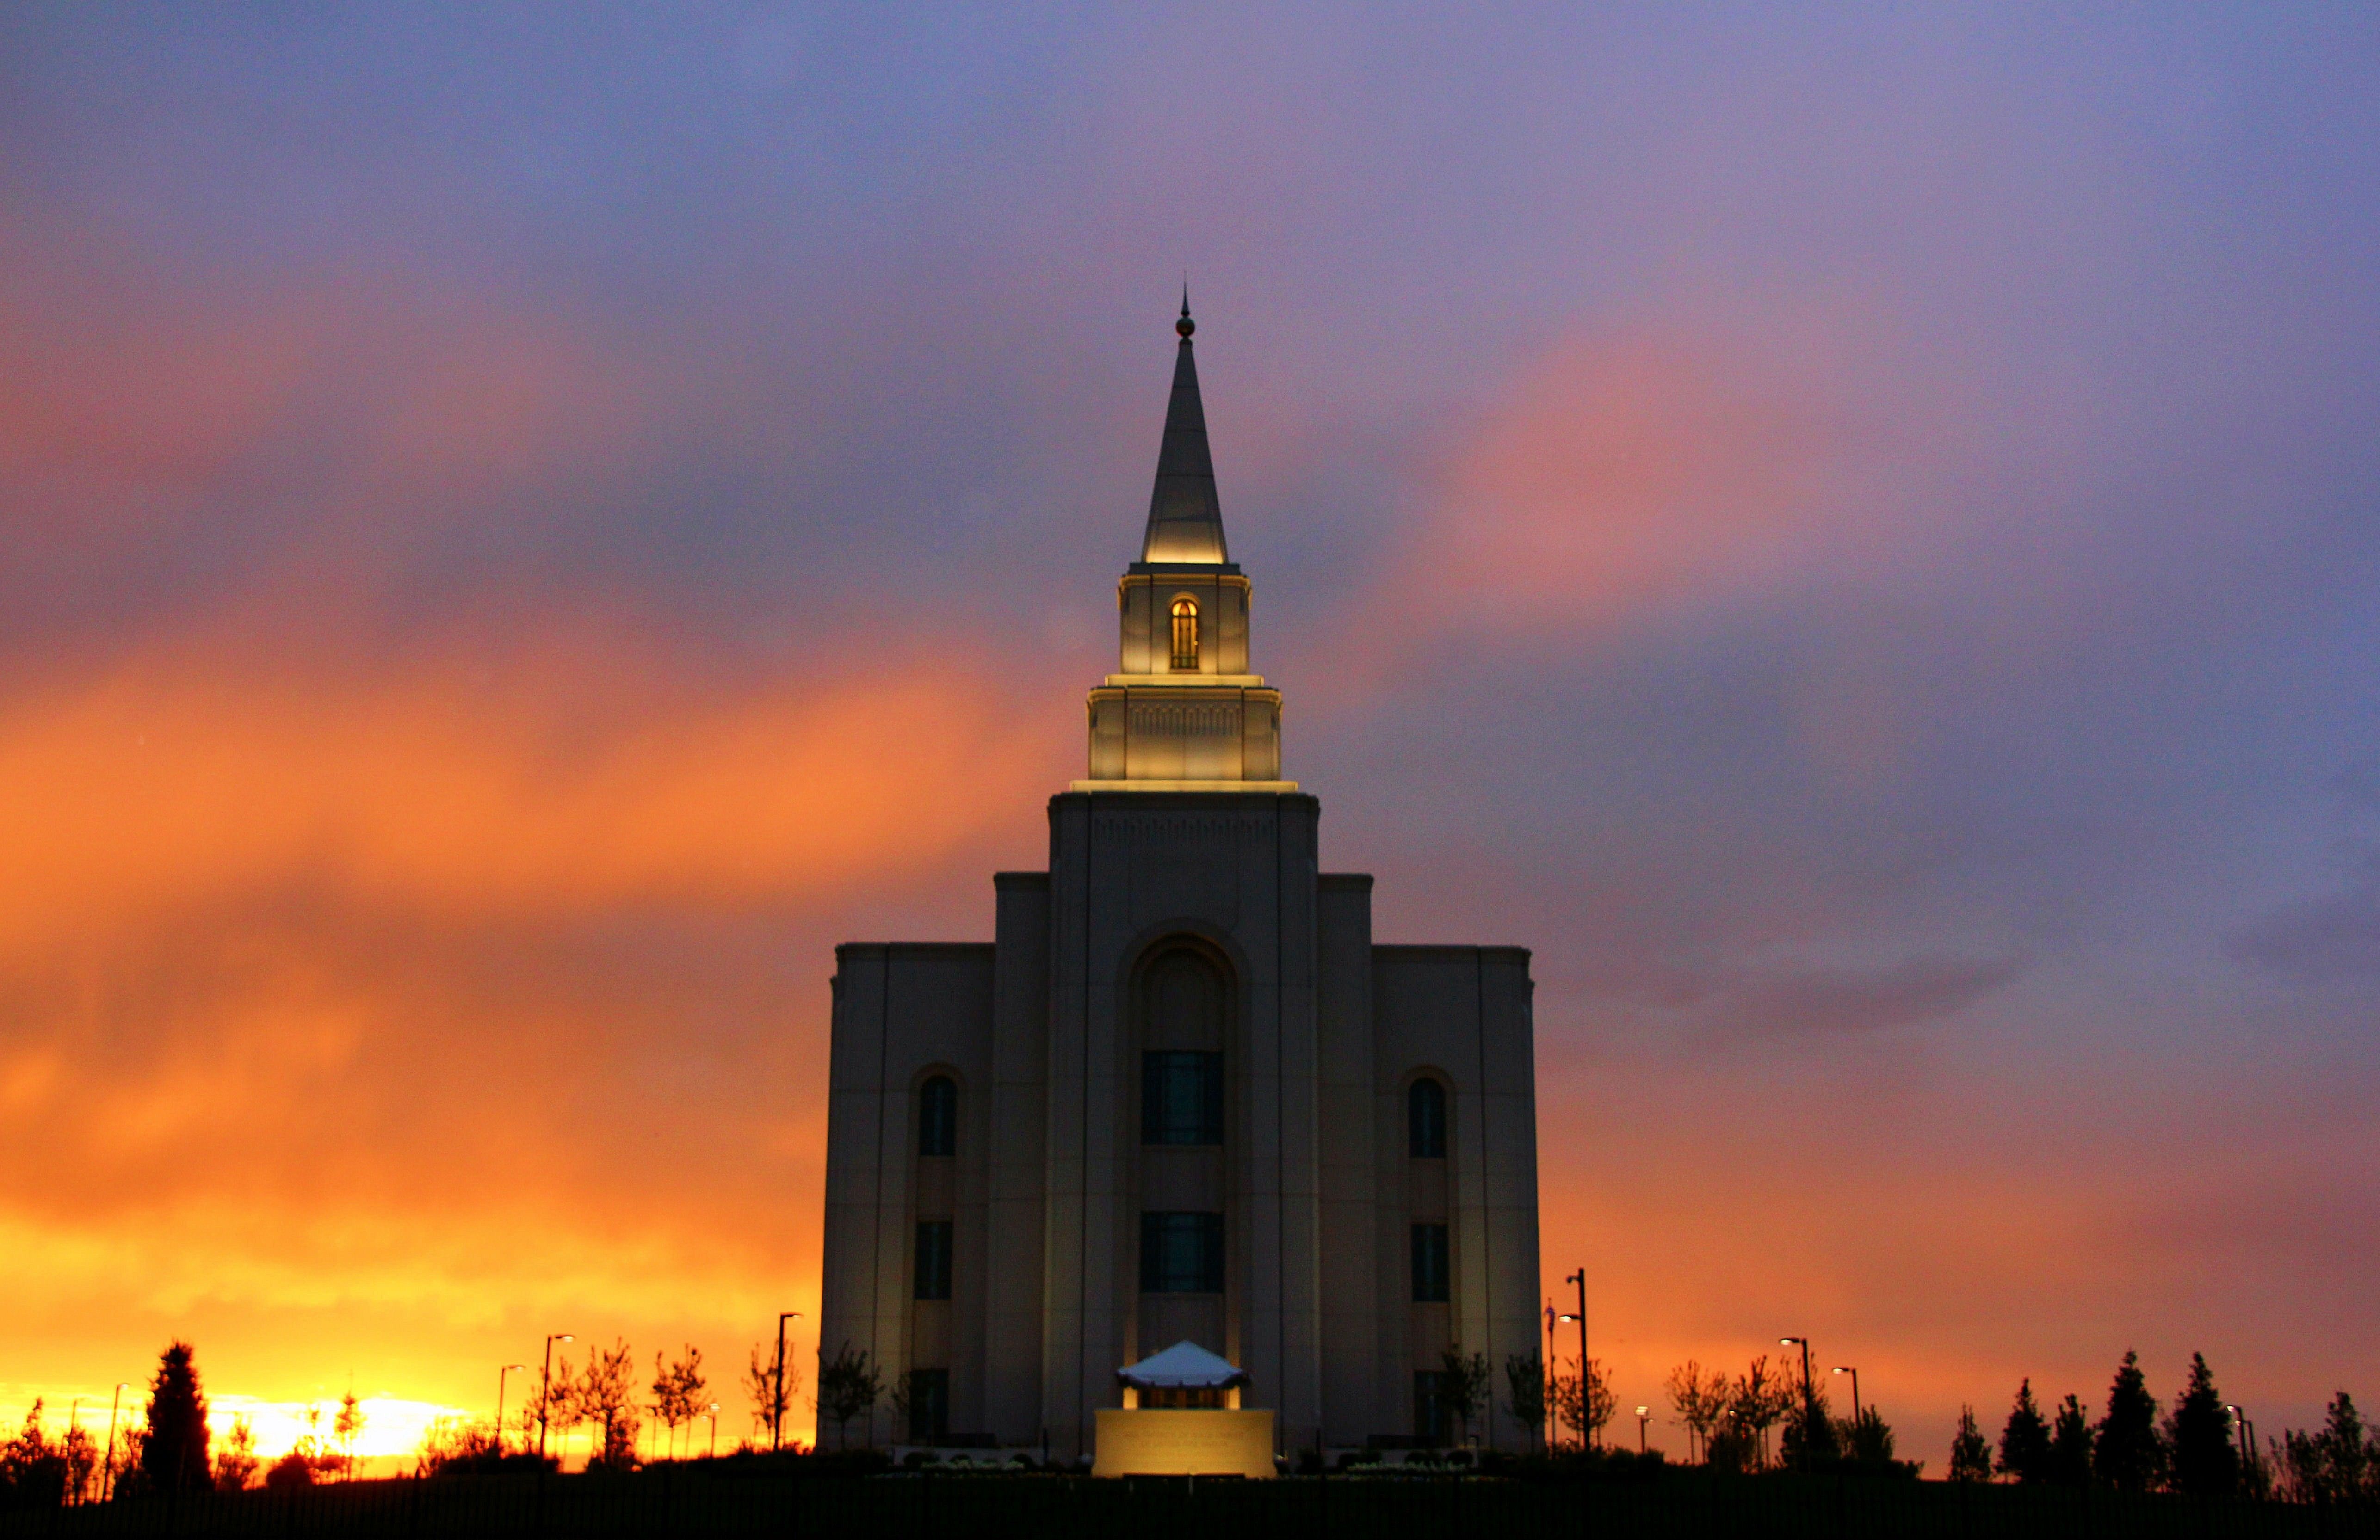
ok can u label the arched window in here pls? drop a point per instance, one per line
(938, 1117)
(1186, 634)
(1425, 1120)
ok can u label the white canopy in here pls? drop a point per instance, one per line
(1184, 1366)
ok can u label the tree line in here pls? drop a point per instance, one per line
(2199, 1446)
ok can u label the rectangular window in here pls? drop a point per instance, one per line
(934, 1259)
(929, 1405)
(1430, 1418)
(1181, 1098)
(1181, 1254)
(1432, 1275)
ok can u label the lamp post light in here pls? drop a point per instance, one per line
(544, 1386)
(711, 1411)
(2247, 1434)
(1643, 1415)
(107, 1472)
(777, 1402)
(1847, 1369)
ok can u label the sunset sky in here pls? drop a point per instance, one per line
(1855, 533)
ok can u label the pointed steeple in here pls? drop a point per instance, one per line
(1185, 518)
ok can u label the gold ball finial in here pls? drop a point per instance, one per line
(1184, 326)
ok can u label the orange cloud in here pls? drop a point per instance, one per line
(377, 1016)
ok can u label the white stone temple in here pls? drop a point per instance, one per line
(1182, 1096)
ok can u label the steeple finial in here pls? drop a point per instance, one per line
(1185, 519)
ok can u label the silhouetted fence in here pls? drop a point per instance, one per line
(1676, 1505)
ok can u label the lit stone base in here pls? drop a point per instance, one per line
(1171, 1443)
(1181, 786)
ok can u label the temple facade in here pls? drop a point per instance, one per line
(1181, 1095)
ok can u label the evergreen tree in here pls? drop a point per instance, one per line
(2206, 1460)
(174, 1456)
(2127, 1454)
(2024, 1439)
(1970, 1458)
(2070, 1444)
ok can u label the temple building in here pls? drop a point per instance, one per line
(1181, 1096)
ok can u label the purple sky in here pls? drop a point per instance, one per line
(1850, 532)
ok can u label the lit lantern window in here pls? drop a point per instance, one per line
(1186, 634)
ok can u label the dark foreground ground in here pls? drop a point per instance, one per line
(696, 1501)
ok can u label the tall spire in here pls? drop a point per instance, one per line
(1185, 518)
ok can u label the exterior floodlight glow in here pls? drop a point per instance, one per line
(1643, 1411)
(1569, 1317)
(565, 1337)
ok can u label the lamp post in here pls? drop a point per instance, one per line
(74, 1425)
(711, 1411)
(1586, 1377)
(1847, 1369)
(1553, 1423)
(1803, 1343)
(107, 1473)
(1643, 1415)
(545, 1387)
(500, 1404)
(777, 1403)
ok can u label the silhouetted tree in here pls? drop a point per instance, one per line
(1870, 1438)
(678, 1391)
(2024, 1439)
(1810, 1441)
(32, 1466)
(848, 1387)
(559, 1410)
(345, 1427)
(83, 1454)
(1525, 1378)
(2070, 1444)
(1756, 1403)
(1699, 1402)
(173, 1458)
(236, 1462)
(2125, 1453)
(1463, 1385)
(769, 1394)
(289, 1472)
(1970, 1458)
(1583, 1402)
(2338, 1464)
(605, 1398)
(2198, 1434)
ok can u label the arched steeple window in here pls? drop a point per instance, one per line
(938, 1117)
(1186, 634)
(1425, 1120)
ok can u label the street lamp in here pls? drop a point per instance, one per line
(711, 1411)
(500, 1374)
(1847, 1369)
(1803, 1343)
(107, 1475)
(545, 1387)
(1644, 1413)
(777, 1404)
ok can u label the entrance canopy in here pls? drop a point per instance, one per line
(1183, 1367)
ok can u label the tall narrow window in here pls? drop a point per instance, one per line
(934, 1259)
(938, 1117)
(1430, 1271)
(1181, 1098)
(1180, 1252)
(1431, 1421)
(1186, 634)
(930, 1405)
(1425, 1119)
